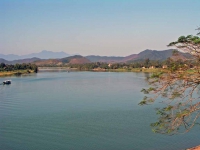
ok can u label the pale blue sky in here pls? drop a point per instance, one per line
(99, 27)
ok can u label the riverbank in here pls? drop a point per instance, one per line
(146, 70)
(54, 68)
(194, 148)
(16, 72)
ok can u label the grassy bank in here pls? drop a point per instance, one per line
(106, 70)
(145, 70)
(16, 72)
(138, 70)
(53, 68)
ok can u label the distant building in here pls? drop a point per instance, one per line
(125, 67)
(99, 69)
(152, 67)
(164, 66)
(109, 65)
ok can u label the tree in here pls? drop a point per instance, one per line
(146, 62)
(178, 90)
(2, 65)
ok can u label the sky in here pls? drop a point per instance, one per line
(94, 27)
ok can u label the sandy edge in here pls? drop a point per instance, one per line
(194, 148)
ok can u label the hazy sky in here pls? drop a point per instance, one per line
(99, 27)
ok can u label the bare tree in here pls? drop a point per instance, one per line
(178, 90)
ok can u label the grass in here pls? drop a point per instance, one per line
(113, 70)
(16, 72)
(138, 70)
(191, 71)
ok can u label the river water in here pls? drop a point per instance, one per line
(81, 111)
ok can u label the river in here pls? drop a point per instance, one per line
(81, 111)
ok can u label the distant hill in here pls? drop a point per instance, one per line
(19, 61)
(77, 59)
(48, 62)
(4, 61)
(9, 57)
(130, 57)
(27, 60)
(151, 54)
(107, 59)
(182, 56)
(47, 55)
(42, 55)
(161, 55)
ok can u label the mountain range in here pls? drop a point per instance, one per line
(150, 54)
(58, 58)
(42, 55)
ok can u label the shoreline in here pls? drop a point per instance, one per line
(146, 70)
(138, 70)
(194, 148)
(15, 73)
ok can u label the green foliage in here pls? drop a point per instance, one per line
(5, 67)
(145, 91)
(175, 94)
(156, 75)
(185, 40)
(175, 89)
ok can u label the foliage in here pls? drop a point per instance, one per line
(6, 67)
(128, 66)
(178, 90)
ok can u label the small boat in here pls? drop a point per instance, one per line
(7, 82)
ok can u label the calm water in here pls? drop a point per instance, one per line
(81, 111)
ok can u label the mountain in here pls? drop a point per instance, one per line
(42, 55)
(27, 60)
(77, 59)
(154, 55)
(4, 61)
(183, 56)
(130, 57)
(160, 55)
(46, 55)
(151, 54)
(9, 57)
(19, 61)
(47, 62)
(107, 59)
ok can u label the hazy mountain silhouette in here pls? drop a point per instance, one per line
(76, 59)
(42, 55)
(59, 58)
(151, 54)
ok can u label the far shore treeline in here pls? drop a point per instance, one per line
(142, 64)
(147, 59)
(102, 66)
(18, 67)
